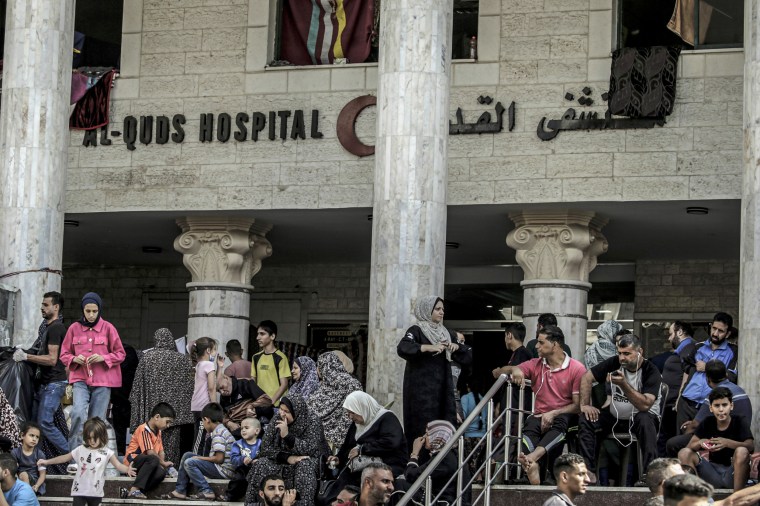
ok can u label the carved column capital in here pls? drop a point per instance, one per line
(218, 249)
(557, 245)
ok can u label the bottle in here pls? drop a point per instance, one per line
(474, 48)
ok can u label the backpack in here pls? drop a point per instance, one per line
(277, 359)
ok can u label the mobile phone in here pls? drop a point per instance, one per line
(616, 373)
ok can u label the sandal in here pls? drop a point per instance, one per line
(170, 496)
(201, 496)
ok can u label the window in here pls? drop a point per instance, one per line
(691, 24)
(346, 31)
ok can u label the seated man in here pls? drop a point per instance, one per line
(572, 480)
(686, 490)
(728, 440)
(348, 496)
(658, 471)
(14, 491)
(556, 381)
(377, 485)
(635, 406)
(272, 492)
(716, 374)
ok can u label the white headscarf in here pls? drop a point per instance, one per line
(436, 333)
(365, 406)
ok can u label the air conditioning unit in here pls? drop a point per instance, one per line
(7, 310)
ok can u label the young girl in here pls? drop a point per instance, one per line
(204, 349)
(27, 456)
(91, 458)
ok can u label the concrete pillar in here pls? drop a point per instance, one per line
(222, 254)
(34, 139)
(409, 209)
(749, 294)
(557, 250)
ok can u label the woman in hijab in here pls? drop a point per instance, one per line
(604, 347)
(327, 400)
(292, 447)
(92, 351)
(438, 433)
(164, 375)
(428, 348)
(9, 433)
(305, 379)
(375, 432)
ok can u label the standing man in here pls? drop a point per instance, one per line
(635, 403)
(572, 480)
(51, 373)
(377, 485)
(514, 337)
(270, 368)
(543, 320)
(556, 380)
(239, 368)
(715, 348)
(675, 372)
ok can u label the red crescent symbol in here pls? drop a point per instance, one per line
(346, 126)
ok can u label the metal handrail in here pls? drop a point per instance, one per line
(486, 402)
(407, 497)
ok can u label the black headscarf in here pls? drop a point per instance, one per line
(91, 298)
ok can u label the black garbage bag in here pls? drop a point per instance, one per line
(17, 382)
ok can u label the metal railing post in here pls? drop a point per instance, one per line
(489, 447)
(508, 431)
(460, 474)
(428, 490)
(521, 403)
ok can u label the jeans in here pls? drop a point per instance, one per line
(46, 403)
(196, 471)
(89, 402)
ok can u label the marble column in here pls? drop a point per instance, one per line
(557, 250)
(222, 254)
(409, 208)
(34, 139)
(749, 294)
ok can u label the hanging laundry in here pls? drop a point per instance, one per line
(683, 21)
(92, 110)
(317, 32)
(643, 81)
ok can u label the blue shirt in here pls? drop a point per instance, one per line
(478, 427)
(683, 344)
(697, 389)
(241, 450)
(21, 494)
(742, 404)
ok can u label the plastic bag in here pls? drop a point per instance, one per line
(17, 382)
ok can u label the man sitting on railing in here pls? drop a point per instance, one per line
(572, 479)
(556, 380)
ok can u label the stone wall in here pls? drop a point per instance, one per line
(325, 290)
(687, 286)
(190, 57)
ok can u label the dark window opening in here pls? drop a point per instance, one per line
(691, 24)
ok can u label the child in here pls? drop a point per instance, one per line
(727, 438)
(27, 456)
(217, 465)
(205, 385)
(244, 452)
(91, 458)
(146, 451)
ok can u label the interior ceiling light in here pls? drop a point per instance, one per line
(70, 223)
(489, 306)
(151, 249)
(697, 210)
(603, 311)
(452, 245)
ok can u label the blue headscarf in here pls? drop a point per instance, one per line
(308, 382)
(91, 298)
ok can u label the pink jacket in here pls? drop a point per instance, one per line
(102, 339)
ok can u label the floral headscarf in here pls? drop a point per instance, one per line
(328, 399)
(604, 347)
(308, 382)
(436, 333)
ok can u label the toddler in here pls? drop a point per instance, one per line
(244, 453)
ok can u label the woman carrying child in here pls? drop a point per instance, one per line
(91, 458)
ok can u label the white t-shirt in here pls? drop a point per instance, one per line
(91, 472)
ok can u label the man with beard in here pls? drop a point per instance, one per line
(377, 485)
(635, 406)
(51, 373)
(273, 493)
(715, 348)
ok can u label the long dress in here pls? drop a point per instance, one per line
(428, 384)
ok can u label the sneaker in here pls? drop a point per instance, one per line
(72, 469)
(642, 482)
(123, 493)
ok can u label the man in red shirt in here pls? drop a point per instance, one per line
(556, 381)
